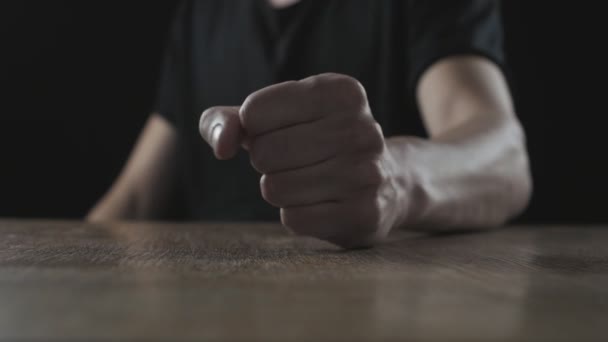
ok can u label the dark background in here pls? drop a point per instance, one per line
(77, 81)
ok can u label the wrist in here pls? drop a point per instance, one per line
(406, 180)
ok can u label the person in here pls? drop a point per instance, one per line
(353, 118)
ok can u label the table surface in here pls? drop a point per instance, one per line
(220, 281)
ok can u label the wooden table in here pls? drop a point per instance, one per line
(143, 281)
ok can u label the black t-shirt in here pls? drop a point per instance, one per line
(220, 51)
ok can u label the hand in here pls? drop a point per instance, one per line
(322, 155)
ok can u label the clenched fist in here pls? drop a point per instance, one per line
(322, 155)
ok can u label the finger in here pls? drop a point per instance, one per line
(295, 102)
(347, 224)
(332, 180)
(296, 146)
(221, 129)
(317, 220)
(312, 143)
(277, 106)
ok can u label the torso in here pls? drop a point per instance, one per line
(232, 48)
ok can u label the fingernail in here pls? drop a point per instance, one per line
(215, 135)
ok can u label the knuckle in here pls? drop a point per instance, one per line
(291, 220)
(321, 81)
(349, 83)
(258, 158)
(269, 190)
(286, 218)
(376, 143)
(371, 215)
(372, 173)
(313, 82)
(367, 137)
(345, 92)
(247, 110)
(351, 93)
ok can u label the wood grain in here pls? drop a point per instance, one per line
(211, 281)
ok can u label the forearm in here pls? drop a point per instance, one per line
(132, 201)
(119, 203)
(475, 175)
(147, 182)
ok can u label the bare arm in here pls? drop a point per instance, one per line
(330, 169)
(143, 188)
(473, 171)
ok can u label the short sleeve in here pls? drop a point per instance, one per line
(438, 29)
(166, 103)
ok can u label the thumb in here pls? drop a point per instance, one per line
(221, 129)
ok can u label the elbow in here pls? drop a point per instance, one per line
(511, 177)
(506, 202)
